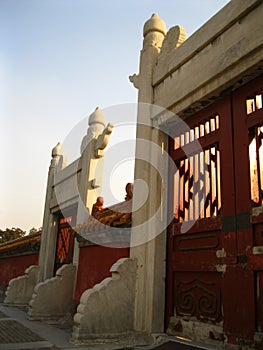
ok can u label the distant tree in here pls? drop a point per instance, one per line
(11, 233)
(32, 231)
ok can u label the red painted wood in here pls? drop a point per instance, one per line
(169, 267)
(65, 237)
(194, 255)
(95, 262)
(238, 302)
(259, 301)
(248, 280)
(243, 201)
(194, 146)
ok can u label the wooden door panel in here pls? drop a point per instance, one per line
(196, 258)
(198, 295)
(65, 237)
(219, 260)
(248, 143)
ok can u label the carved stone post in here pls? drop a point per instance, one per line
(79, 183)
(49, 227)
(90, 182)
(150, 256)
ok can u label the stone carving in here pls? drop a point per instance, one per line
(103, 140)
(135, 80)
(97, 207)
(198, 298)
(58, 160)
(129, 191)
(154, 31)
(154, 24)
(20, 289)
(174, 38)
(107, 309)
(97, 130)
(53, 298)
(97, 123)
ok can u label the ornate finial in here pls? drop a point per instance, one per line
(154, 24)
(97, 117)
(97, 207)
(154, 31)
(129, 191)
(58, 160)
(97, 123)
(57, 150)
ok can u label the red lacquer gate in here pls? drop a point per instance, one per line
(215, 268)
(65, 237)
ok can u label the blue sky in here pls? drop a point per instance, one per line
(59, 59)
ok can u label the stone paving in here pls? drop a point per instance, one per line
(18, 333)
(2, 315)
(12, 331)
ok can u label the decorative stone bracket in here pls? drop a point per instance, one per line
(103, 140)
(53, 298)
(20, 289)
(107, 310)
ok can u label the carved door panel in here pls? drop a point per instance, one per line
(196, 253)
(65, 238)
(248, 145)
(215, 261)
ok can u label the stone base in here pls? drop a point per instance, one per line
(2, 293)
(201, 332)
(127, 339)
(206, 334)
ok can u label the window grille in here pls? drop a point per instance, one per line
(197, 179)
(254, 105)
(256, 165)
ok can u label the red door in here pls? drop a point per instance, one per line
(248, 145)
(65, 237)
(215, 264)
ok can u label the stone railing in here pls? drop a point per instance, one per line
(107, 309)
(20, 289)
(53, 298)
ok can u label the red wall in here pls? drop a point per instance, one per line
(95, 262)
(94, 265)
(15, 266)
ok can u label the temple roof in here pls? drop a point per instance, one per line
(24, 245)
(108, 225)
(118, 215)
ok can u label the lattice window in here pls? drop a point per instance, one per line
(256, 165)
(197, 180)
(254, 103)
(195, 133)
(63, 244)
(65, 239)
